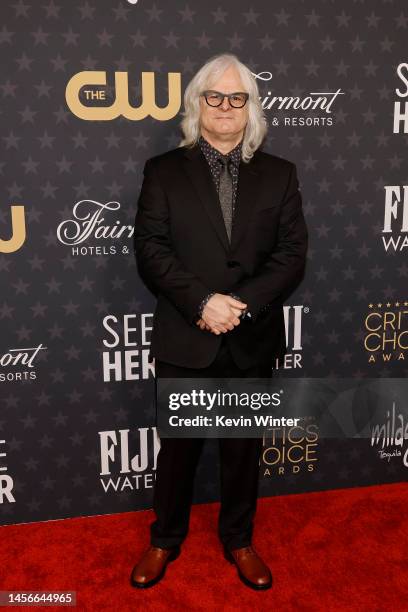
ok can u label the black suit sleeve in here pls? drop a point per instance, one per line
(156, 259)
(284, 267)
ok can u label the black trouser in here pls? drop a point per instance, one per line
(178, 458)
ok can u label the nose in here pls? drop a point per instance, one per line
(225, 104)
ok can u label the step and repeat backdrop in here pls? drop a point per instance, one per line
(89, 91)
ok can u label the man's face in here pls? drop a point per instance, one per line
(223, 120)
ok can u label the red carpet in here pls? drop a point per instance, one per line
(337, 550)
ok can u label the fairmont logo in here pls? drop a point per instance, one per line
(18, 364)
(88, 223)
(314, 100)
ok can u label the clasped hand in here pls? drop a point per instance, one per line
(221, 314)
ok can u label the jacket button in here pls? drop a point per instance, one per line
(232, 263)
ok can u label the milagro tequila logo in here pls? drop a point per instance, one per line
(119, 469)
(392, 436)
(88, 224)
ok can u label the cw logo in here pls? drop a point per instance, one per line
(121, 106)
(18, 235)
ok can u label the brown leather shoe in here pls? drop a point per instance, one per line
(251, 569)
(152, 566)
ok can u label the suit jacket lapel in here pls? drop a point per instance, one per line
(199, 172)
(197, 169)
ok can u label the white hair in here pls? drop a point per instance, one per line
(256, 127)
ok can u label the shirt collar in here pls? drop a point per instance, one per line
(212, 153)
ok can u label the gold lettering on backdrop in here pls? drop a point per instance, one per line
(121, 105)
(386, 332)
(18, 229)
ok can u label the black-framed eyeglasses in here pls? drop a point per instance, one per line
(237, 99)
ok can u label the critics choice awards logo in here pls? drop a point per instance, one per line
(386, 331)
(290, 449)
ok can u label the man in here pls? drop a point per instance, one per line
(221, 240)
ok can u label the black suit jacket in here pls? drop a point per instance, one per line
(182, 253)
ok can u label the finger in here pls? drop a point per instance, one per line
(235, 321)
(236, 303)
(223, 329)
(230, 323)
